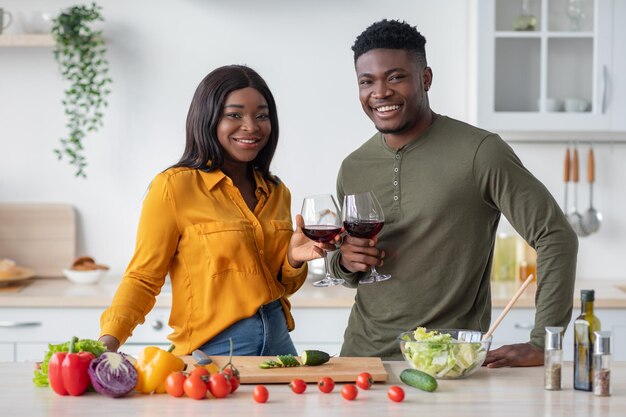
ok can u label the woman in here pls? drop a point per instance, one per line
(220, 224)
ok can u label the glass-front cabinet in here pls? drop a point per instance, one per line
(545, 65)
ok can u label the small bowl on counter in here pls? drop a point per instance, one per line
(444, 353)
(84, 277)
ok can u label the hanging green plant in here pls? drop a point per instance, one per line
(81, 54)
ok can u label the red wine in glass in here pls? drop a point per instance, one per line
(322, 223)
(363, 228)
(363, 217)
(321, 233)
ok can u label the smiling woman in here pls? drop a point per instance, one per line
(220, 224)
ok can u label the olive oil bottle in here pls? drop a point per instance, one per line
(585, 327)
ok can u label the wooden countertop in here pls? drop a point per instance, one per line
(59, 292)
(489, 392)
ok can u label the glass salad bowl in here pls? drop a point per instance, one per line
(444, 353)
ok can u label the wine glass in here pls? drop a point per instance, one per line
(322, 222)
(574, 10)
(363, 217)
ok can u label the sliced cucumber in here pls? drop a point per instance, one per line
(418, 379)
(288, 360)
(270, 364)
(314, 357)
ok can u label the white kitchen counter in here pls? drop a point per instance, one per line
(500, 392)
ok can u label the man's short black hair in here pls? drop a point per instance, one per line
(391, 34)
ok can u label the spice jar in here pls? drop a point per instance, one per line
(553, 359)
(602, 364)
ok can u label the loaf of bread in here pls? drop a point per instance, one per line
(8, 268)
(86, 263)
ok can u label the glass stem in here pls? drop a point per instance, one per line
(326, 264)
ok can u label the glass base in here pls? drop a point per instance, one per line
(328, 282)
(373, 277)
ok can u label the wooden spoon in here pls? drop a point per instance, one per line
(508, 306)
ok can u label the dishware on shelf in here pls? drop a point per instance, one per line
(576, 105)
(526, 20)
(574, 11)
(37, 21)
(592, 217)
(363, 217)
(6, 18)
(322, 223)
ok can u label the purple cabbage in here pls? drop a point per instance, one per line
(112, 374)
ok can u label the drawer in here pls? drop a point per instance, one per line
(7, 352)
(49, 325)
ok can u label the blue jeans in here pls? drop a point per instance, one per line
(264, 334)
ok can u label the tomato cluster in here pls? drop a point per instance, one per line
(199, 381)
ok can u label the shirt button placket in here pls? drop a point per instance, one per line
(396, 176)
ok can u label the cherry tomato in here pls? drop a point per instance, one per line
(326, 384)
(174, 384)
(349, 392)
(364, 380)
(219, 386)
(195, 387)
(298, 386)
(260, 394)
(200, 371)
(395, 393)
(233, 378)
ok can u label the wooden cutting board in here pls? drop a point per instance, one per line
(41, 237)
(343, 369)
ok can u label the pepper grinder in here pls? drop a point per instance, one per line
(553, 359)
(602, 364)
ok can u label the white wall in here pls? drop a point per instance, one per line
(159, 51)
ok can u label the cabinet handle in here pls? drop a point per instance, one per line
(157, 325)
(524, 326)
(12, 324)
(605, 82)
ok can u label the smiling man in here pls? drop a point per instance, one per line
(443, 186)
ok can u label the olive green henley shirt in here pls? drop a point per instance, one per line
(442, 196)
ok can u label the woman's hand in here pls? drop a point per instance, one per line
(302, 249)
(110, 342)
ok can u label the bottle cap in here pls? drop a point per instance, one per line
(587, 295)
(602, 345)
(554, 338)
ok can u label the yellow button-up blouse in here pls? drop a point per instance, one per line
(224, 260)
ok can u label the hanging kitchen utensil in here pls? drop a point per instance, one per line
(592, 217)
(574, 217)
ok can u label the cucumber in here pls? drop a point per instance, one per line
(418, 379)
(270, 364)
(288, 360)
(314, 357)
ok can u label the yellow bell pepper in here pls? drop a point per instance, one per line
(153, 366)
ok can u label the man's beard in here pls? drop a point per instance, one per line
(393, 131)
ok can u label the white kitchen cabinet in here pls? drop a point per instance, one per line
(516, 327)
(7, 352)
(527, 79)
(26, 332)
(320, 328)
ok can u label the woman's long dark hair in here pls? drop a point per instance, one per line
(202, 148)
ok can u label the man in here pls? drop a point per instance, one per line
(443, 185)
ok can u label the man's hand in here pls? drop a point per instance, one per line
(360, 254)
(520, 354)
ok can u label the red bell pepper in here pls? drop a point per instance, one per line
(67, 371)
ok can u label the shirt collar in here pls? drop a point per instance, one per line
(211, 179)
